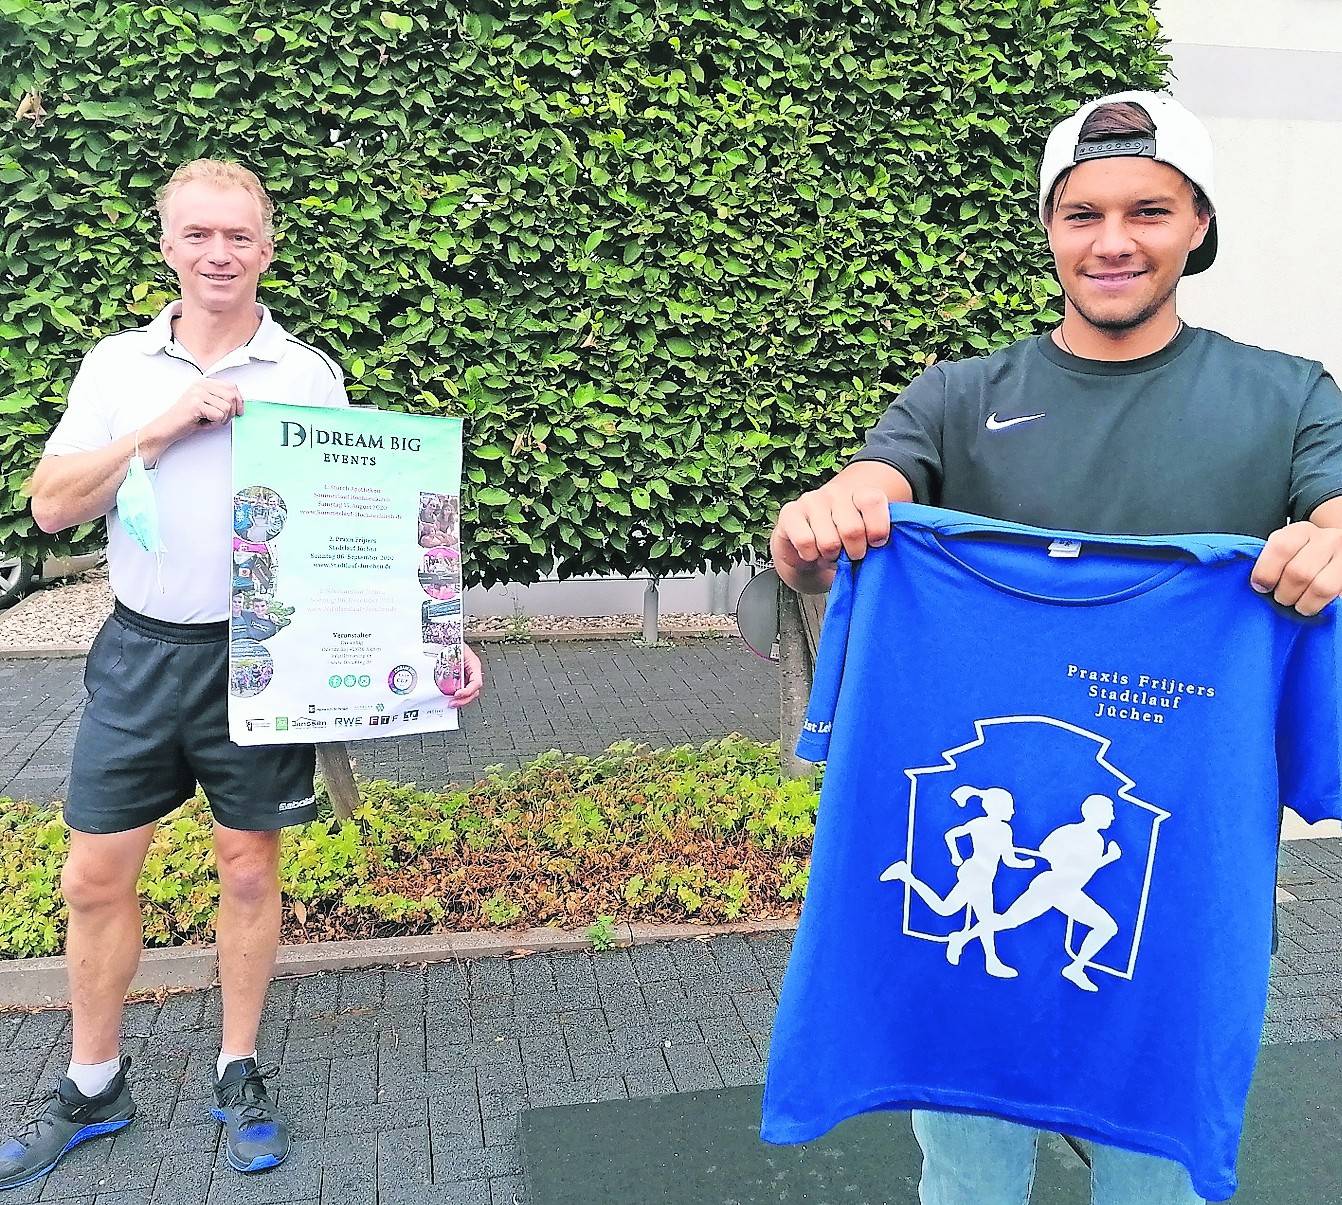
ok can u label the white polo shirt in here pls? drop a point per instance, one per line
(130, 379)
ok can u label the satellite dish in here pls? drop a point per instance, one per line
(757, 614)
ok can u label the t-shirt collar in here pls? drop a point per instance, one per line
(268, 343)
(1117, 368)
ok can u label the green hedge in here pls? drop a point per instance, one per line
(669, 259)
(709, 834)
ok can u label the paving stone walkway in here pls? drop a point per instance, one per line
(405, 1084)
(576, 696)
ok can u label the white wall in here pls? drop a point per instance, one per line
(699, 593)
(1266, 76)
(1271, 24)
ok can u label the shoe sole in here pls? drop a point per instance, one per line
(96, 1130)
(260, 1164)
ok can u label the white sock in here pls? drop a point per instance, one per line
(92, 1078)
(226, 1058)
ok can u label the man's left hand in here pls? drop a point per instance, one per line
(475, 678)
(1301, 567)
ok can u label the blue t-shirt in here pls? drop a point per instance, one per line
(1043, 871)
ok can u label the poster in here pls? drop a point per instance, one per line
(347, 580)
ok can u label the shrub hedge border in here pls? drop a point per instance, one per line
(668, 259)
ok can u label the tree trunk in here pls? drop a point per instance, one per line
(799, 620)
(334, 765)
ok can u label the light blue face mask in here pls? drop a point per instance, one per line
(137, 507)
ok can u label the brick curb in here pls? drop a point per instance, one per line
(42, 982)
(562, 635)
(54, 651)
(540, 636)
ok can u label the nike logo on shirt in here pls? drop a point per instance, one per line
(1001, 424)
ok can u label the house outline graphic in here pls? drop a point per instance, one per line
(1124, 792)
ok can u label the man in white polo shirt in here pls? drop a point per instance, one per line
(156, 719)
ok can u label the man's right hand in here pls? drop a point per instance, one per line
(207, 403)
(850, 513)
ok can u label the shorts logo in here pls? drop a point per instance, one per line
(281, 723)
(294, 804)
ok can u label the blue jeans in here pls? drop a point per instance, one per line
(973, 1160)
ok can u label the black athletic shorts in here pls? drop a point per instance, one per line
(156, 724)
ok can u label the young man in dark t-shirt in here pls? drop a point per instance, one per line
(1122, 420)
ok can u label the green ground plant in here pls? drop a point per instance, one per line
(518, 630)
(712, 833)
(500, 911)
(601, 933)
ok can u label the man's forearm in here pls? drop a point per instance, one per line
(79, 487)
(1327, 514)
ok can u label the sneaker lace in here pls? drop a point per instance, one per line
(40, 1120)
(250, 1098)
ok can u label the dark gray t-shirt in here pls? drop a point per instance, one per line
(1205, 435)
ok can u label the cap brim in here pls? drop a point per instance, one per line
(1203, 257)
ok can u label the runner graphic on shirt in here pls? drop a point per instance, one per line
(992, 845)
(1069, 770)
(1075, 853)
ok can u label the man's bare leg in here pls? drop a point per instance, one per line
(248, 930)
(105, 934)
(103, 944)
(256, 1135)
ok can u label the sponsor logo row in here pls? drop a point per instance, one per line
(283, 723)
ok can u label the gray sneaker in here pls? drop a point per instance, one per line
(256, 1137)
(67, 1118)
